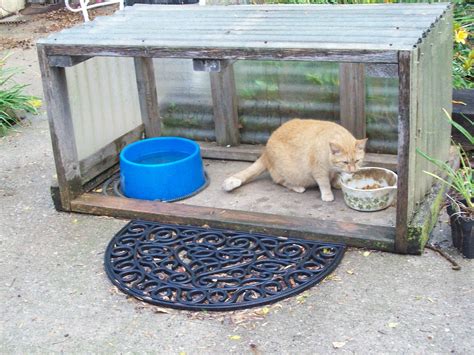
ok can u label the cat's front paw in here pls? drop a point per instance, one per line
(327, 196)
(231, 183)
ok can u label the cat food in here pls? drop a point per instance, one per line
(372, 186)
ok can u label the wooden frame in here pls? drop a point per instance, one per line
(416, 111)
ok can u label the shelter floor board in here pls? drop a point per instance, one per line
(262, 195)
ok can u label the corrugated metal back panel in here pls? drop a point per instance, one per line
(104, 101)
(271, 93)
(185, 99)
(382, 114)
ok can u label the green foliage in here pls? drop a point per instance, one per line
(463, 53)
(13, 99)
(462, 179)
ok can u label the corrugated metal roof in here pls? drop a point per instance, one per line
(361, 27)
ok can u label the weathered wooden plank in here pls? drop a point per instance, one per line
(244, 152)
(251, 152)
(107, 156)
(237, 40)
(352, 98)
(224, 102)
(148, 96)
(61, 129)
(321, 54)
(405, 108)
(353, 234)
(65, 61)
(381, 70)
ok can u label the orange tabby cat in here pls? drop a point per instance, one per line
(304, 153)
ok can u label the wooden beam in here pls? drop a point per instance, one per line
(64, 61)
(108, 155)
(308, 54)
(250, 152)
(404, 108)
(358, 235)
(352, 98)
(148, 96)
(224, 101)
(61, 129)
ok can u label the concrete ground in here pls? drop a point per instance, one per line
(55, 296)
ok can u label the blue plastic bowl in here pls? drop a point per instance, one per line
(164, 168)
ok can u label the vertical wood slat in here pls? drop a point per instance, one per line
(148, 96)
(352, 98)
(61, 129)
(405, 102)
(224, 101)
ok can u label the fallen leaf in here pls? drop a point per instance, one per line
(182, 353)
(430, 299)
(350, 272)
(366, 253)
(161, 310)
(302, 298)
(459, 102)
(332, 277)
(235, 337)
(264, 311)
(75, 221)
(338, 344)
(392, 325)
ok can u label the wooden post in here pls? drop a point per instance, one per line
(352, 98)
(147, 96)
(61, 129)
(224, 99)
(404, 107)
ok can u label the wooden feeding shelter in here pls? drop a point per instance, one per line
(414, 39)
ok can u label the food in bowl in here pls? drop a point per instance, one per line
(369, 189)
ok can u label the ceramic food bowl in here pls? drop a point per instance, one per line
(369, 189)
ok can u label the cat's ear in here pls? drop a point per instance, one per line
(335, 148)
(360, 144)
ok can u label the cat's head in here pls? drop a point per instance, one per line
(347, 157)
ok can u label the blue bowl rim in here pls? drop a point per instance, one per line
(131, 145)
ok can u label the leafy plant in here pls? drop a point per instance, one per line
(463, 54)
(13, 99)
(461, 180)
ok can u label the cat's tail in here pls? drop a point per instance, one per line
(245, 175)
